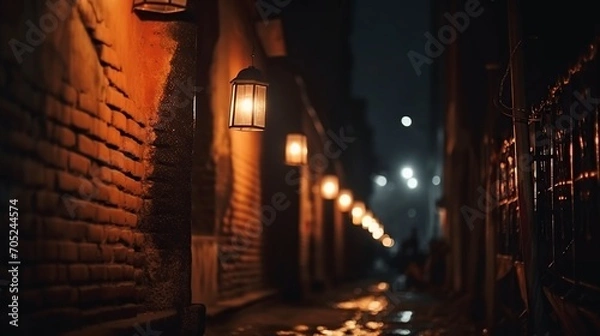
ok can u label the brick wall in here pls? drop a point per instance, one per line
(237, 158)
(81, 151)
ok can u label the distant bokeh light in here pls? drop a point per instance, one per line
(406, 121)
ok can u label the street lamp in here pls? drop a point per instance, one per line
(345, 200)
(248, 105)
(329, 187)
(436, 180)
(407, 172)
(296, 150)
(412, 183)
(406, 121)
(380, 180)
(367, 219)
(358, 211)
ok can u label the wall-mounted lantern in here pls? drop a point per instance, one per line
(329, 187)
(248, 105)
(358, 211)
(345, 200)
(160, 6)
(296, 150)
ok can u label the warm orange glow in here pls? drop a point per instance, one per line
(329, 187)
(358, 211)
(296, 151)
(377, 233)
(345, 200)
(367, 219)
(387, 241)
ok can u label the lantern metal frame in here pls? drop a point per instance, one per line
(303, 142)
(161, 6)
(248, 76)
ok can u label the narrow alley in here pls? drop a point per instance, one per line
(365, 309)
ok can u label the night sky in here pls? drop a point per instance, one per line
(384, 32)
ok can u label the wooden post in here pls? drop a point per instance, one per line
(529, 243)
(338, 222)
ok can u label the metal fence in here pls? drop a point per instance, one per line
(567, 174)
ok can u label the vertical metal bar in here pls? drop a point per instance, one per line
(529, 243)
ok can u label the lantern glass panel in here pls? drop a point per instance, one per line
(329, 187)
(296, 150)
(248, 107)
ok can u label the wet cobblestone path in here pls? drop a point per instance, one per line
(373, 310)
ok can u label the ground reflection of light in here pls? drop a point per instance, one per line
(405, 316)
(301, 327)
(374, 325)
(382, 286)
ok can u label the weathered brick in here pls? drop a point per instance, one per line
(33, 173)
(140, 260)
(64, 136)
(134, 187)
(104, 113)
(96, 233)
(68, 182)
(115, 272)
(68, 94)
(139, 170)
(119, 179)
(130, 203)
(21, 141)
(88, 103)
(135, 130)
(63, 274)
(114, 137)
(115, 99)
(109, 57)
(115, 196)
(119, 121)
(98, 272)
(131, 220)
(116, 78)
(118, 217)
(59, 296)
(126, 290)
(90, 253)
(103, 214)
(138, 240)
(47, 251)
(120, 254)
(87, 146)
(78, 273)
(112, 235)
(132, 148)
(81, 120)
(130, 260)
(46, 202)
(53, 155)
(79, 163)
(90, 294)
(128, 272)
(107, 252)
(105, 174)
(49, 178)
(103, 153)
(117, 159)
(68, 252)
(99, 130)
(46, 274)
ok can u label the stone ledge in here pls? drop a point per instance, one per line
(224, 307)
